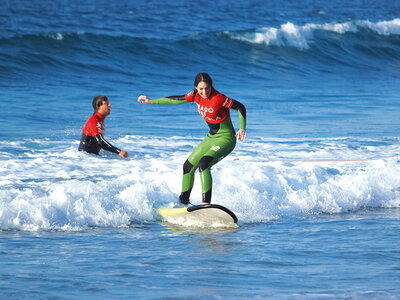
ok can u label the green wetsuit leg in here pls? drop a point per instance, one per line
(210, 151)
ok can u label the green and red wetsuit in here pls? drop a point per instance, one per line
(93, 136)
(219, 142)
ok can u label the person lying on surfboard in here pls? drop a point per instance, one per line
(220, 141)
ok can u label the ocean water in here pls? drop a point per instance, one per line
(315, 186)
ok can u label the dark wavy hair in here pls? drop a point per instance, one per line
(203, 77)
(98, 101)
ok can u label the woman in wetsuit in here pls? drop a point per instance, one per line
(219, 142)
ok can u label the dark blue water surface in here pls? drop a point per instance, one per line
(57, 56)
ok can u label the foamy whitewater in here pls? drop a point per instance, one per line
(315, 186)
(293, 178)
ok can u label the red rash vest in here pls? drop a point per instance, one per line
(214, 109)
(95, 125)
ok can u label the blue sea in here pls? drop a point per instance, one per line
(315, 186)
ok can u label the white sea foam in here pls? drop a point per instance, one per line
(301, 37)
(263, 179)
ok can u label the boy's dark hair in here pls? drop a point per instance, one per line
(98, 101)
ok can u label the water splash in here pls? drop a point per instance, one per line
(280, 179)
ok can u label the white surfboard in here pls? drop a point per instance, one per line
(206, 215)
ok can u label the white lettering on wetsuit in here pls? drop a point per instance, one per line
(203, 110)
(101, 128)
(215, 148)
(214, 109)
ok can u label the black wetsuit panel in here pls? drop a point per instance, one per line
(93, 144)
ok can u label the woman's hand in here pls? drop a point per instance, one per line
(241, 134)
(144, 99)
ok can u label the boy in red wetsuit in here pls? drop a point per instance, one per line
(93, 132)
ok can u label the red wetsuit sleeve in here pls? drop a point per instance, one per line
(226, 101)
(190, 96)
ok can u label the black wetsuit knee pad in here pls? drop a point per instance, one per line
(187, 167)
(204, 162)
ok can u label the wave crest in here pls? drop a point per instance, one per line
(302, 36)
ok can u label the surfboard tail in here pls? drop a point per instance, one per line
(213, 206)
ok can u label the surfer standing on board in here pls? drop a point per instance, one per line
(219, 142)
(93, 132)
